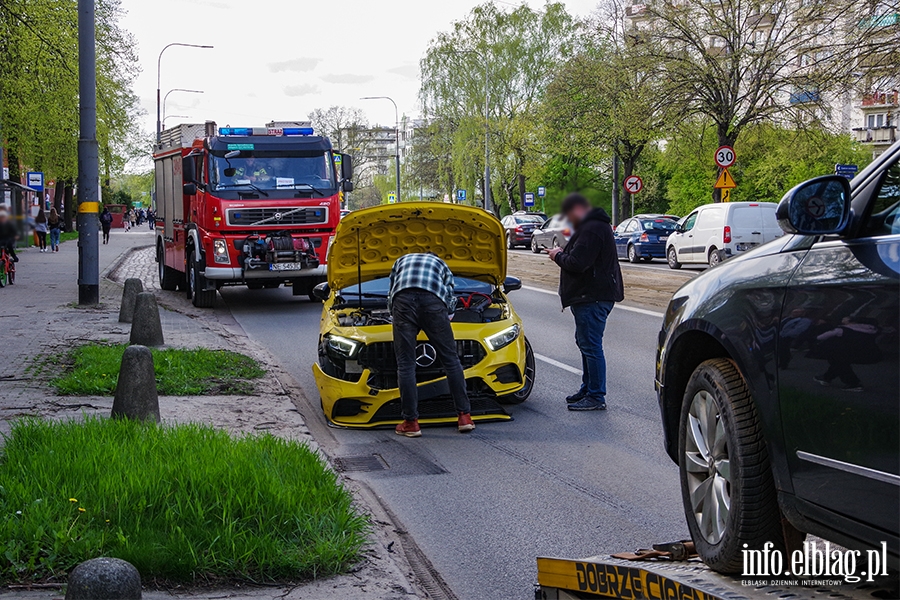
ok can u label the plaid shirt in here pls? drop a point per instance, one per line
(423, 272)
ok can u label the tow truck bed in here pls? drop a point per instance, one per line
(603, 577)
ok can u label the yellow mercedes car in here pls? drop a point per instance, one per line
(357, 370)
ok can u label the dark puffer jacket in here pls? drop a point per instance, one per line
(589, 266)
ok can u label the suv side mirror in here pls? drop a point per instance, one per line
(322, 291)
(820, 206)
(511, 284)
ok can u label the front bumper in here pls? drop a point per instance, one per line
(236, 274)
(365, 404)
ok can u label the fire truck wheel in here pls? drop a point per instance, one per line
(169, 278)
(200, 298)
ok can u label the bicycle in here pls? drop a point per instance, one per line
(7, 268)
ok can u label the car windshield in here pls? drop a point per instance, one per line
(381, 287)
(666, 224)
(273, 170)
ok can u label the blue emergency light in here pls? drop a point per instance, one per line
(251, 131)
(298, 131)
(242, 131)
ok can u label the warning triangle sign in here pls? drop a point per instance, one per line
(725, 181)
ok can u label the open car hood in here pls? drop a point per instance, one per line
(470, 240)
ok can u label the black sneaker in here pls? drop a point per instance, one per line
(587, 403)
(575, 397)
(852, 388)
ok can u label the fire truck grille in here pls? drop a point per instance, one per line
(253, 217)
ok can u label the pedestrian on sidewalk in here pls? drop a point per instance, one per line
(590, 283)
(421, 299)
(55, 224)
(40, 229)
(8, 234)
(106, 220)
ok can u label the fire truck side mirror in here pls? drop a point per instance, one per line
(188, 173)
(346, 167)
(347, 185)
(190, 189)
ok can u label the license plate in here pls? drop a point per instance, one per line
(286, 267)
(663, 238)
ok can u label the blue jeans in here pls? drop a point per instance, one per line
(590, 323)
(54, 238)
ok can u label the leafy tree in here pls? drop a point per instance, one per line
(496, 62)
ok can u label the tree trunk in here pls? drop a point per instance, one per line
(69, 199)
(626, 202)
(58, 192)
(521, 179)
(726, 138)
(12, 160)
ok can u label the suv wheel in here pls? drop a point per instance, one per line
(632, 254)
(726, 481)
(672, 258)
(714, 257)
(522, 395)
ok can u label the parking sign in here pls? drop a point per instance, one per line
(461, 195)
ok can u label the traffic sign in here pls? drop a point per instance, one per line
(725, 181)
(542, 191)
(725, 156)
(338, 159)
(36, 180)
(461, 195)
(392, 198)
(529, 199)
(633, 184)
(848, 171)
(726, 195)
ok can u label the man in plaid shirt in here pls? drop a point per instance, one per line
(422, 299)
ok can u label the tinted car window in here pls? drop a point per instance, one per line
(885, 219)
(666, 224)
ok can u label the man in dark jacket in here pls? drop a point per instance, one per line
(590, 282)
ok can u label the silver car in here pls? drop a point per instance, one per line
(552, 233)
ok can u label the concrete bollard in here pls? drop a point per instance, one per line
(136, 396)
(146, 328)
(133, 287)
(108, 578)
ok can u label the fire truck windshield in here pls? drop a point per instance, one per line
(273, 170)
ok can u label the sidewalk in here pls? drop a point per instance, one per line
(39, 315)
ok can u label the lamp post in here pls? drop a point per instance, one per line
(487, 126)
(158, 69)
(397, 131)
(166, 97)
(173, 117)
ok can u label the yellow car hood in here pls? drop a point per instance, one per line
(368, 241)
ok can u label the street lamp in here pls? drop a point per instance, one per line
(397, 131)
(487, 126)
(158, 67)
(166, 97)
(173, 117)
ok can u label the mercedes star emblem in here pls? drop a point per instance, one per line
(425, 355)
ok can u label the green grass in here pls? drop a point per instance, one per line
(67, 236)
(93, 369)
(184, 503)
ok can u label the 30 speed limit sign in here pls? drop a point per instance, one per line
(633, 184)
(725, 156)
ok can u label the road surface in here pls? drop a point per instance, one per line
(551, 482)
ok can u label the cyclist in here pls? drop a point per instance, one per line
(8, 235)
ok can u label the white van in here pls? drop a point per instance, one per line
(715, 232)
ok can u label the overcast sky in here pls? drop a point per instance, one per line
(279, 59)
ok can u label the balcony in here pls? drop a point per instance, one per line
(881, 99)
(635, 11)
(879, 136)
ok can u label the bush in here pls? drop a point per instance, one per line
(184, 503)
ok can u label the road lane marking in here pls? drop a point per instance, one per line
(558, 364)
(620, 306)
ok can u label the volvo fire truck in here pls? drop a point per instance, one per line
(254, 206)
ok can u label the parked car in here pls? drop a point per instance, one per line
(357, 371)
(344, 212)
(552, 233)
(533, 213)
(777, 378)
(715, 232)
(644, 237)
(518, 228)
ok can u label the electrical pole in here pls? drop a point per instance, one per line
(88, 222)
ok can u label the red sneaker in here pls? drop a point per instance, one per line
(409, 429)
(465, 423)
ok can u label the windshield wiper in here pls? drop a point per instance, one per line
(306, 186)
(248, 184)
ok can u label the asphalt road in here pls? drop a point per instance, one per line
(550, 483)
(656, 263)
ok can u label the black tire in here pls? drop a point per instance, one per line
(522, 395)
(11, 274)
(555, 243)
(672, 258)
(633, 256)
(169, 278)
(714, 257)
(200, 298)
(534, 246)
(509, 242)
(723, 462)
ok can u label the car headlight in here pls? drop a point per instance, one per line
(220, 251)
(503, 338)
(342, 346)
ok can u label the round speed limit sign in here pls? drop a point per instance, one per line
(633, 184)
(725, 156)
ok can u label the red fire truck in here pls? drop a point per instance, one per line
(254, 206)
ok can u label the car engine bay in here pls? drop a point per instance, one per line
(473, 307)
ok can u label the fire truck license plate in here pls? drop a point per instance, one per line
(286, 267)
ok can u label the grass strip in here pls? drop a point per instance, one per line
(183, 503)
(93, 370)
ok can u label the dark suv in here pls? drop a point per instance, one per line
(778, 376)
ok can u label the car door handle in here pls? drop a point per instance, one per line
(756, 233)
